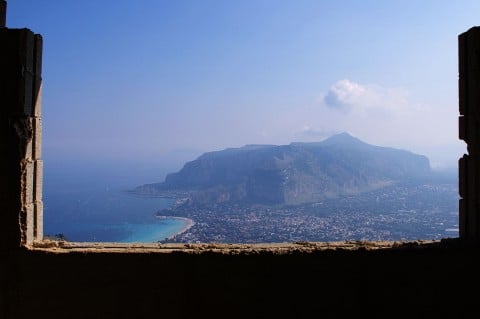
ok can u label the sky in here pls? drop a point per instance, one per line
(155, 81)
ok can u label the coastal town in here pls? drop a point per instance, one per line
(400, 212)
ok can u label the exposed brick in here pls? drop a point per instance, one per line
(24, 130)
(38, 181)
(37, 79)
(28, 212)
(37, 108)
(27, 181)
(37, 138)
(38, 220)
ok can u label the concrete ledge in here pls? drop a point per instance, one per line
(61, 247)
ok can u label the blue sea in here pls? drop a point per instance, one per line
(92, 204)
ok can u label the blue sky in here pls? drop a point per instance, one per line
(151, 80)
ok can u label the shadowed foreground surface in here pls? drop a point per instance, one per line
(428, 280)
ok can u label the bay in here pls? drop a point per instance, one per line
(85, 206)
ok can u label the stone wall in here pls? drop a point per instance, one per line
(410, 282)
(21, 128)
(469, 131)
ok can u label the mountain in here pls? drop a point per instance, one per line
(291, 174)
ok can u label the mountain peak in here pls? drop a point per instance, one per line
(344, 139)
(307, 172)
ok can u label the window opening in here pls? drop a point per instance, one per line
(266, 201)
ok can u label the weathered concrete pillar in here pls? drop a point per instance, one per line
(21, 166)
(469, 131)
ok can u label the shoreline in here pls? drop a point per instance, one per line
(189, 224)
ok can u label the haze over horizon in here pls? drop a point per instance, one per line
(141, 82)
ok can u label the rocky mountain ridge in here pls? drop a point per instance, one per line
(291, 174)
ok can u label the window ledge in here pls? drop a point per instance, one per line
(52, 246)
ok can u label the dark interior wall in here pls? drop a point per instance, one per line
(21, 167)
(400, 283)
(469, 131)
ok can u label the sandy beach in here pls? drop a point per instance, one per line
(188, 224)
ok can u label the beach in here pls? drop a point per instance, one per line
(188, 224)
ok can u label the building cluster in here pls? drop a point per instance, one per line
(401, 212)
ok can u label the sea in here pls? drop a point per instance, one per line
(92, 203)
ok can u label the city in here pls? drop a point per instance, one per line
(401, 212)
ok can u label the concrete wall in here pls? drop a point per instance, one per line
(40, 279)
(469, 131)
(423, 282)
(21, 166)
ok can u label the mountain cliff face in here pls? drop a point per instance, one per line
(292, 174)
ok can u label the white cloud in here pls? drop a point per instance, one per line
(386, 116)
(349, 96)
(346, 94)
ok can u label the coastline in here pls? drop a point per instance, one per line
(188, 224)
